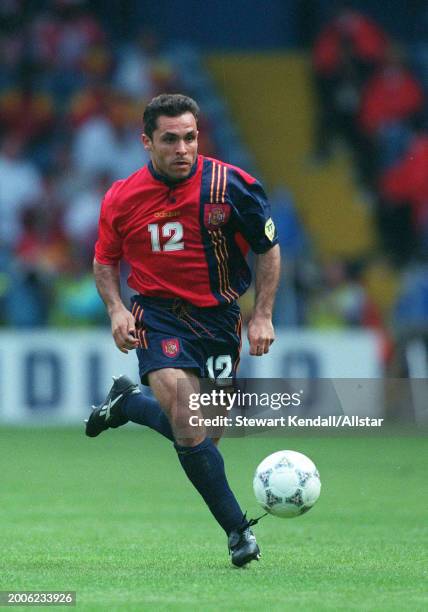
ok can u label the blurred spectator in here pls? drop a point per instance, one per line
(392, 101)
(295, 250)
(345, 53)
(391, 95)
(134, 72)
(27, 300)
(61, 37)
(20, 185)
(366, 41)
(292, 236)
(411, 307)
(77, 301)
(81, 217)
(342, 300)
(109, 141)
(31, 114)
(406, 184)
(26, 111)
(89, 102)
(42, 246)
(99, 147)
(41, 253)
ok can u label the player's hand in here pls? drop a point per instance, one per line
(260, 334)
(123, 330)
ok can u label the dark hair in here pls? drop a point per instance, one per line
(171, 105)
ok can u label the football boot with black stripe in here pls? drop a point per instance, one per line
(109, 413)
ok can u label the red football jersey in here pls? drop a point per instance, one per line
(186, 239)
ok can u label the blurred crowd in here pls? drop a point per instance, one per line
(71, 106)
(72, 94)
(373, 96)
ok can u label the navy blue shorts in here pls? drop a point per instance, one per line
(175, 334)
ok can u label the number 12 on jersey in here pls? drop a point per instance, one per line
(173, 230)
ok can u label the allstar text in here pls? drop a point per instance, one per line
(340, 420)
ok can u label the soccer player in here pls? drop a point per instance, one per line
(184, 223)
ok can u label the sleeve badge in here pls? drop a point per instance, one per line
(270, 229)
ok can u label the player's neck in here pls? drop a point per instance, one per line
(168, 180)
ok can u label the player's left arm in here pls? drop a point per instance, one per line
(253, 217)
(260, 328)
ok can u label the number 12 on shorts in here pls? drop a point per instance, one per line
(220, 368)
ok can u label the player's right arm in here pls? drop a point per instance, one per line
(107, 280)
(108, 253)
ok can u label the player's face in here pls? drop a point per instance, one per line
(174, 145)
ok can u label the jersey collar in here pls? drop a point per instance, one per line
(166, 180)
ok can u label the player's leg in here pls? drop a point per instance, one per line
(146, 411)
(202, 461)
(125, 402)
(172, 387)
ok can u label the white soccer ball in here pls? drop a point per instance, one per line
(287, 484)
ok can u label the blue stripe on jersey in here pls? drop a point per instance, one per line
(228, 271)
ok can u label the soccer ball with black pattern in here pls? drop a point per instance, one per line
(287, 484)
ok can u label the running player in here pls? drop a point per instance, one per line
(185, 223)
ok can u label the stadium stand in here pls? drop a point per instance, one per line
(353, 215)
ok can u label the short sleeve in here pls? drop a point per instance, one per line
(252, 212)
(108, 248)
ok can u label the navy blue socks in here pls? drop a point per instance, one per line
(203, 464)
(204, 467)
(146, 411)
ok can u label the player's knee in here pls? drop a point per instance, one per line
(190, 442)
(182, 423)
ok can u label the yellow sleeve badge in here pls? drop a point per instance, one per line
(270, 229)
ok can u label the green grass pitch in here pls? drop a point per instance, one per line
(115, 520)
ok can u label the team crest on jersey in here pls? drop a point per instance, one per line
(216, 215)
(171, 347)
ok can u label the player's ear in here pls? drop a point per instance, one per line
(146, 142)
